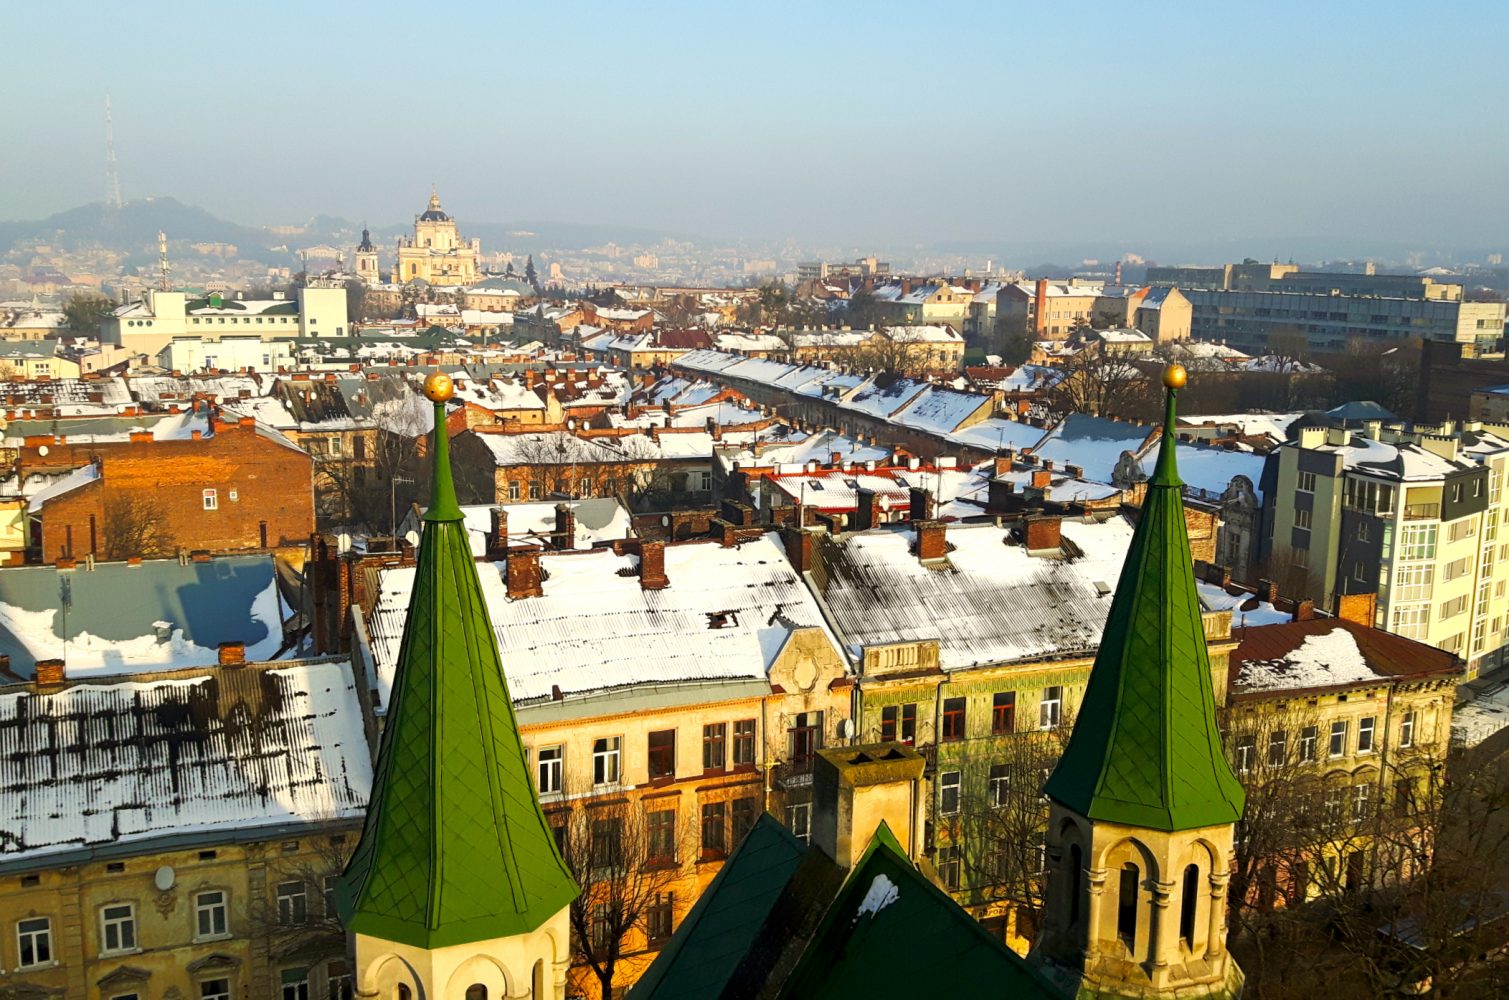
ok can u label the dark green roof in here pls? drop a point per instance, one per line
(455, 848)
(1146, 750)
(782, 919)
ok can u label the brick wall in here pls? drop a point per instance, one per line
(256, 481)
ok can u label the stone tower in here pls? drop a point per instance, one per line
(366, 259)
(1143, 804)
(456, 890)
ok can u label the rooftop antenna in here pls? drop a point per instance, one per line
(162, 260)
(112, 171)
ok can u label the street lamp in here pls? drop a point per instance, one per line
(393, 503)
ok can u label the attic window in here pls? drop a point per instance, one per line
(901, 481)
(815, 486)
(722, 619)
(853, 484)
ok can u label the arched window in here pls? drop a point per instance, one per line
(537, 981)
(1126, 907)
(1189, 905)
(476, 991)
(404, 993)
(1076, 873)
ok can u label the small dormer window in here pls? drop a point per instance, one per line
(815, 486)
(853, 484)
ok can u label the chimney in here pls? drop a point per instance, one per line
(497, 537)
(866, 509)
(932, 541)
(1044, 534)
(522, 570)
(565, 526)
(727, 533)
(1359, 609)
(921, 506)
(1304, 610)
(1040, 306)
(49, 673)
(652, 565)
(1075, 471)
(798, 548)
(1003, 461)
(1041, 479)
(836, 460)
(1267, 590)
(233, 654)
(855, 789)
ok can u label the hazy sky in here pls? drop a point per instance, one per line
(823, 121)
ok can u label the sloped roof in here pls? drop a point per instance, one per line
(1329, 652)
(1146, 750)
(91, 765)
(455, 848)
(1094, 444)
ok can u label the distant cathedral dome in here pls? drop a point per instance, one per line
(433, 213)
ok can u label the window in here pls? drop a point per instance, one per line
(1411, 621)
(714, 830)
(948, 793)
(1407, 730)
(211, 500)
(1363, 531)
(953, 719)
(549, 762)
(607, 842)
(662, 752)
(118, 927)
(584, 486)
(1417, 541)
(605, 761)
(1455, 569)
(1126, 906)
(1307, 482)
(1338, 739)
(1362, 801)
(1003, 712)
(513, 491)
(714, 740)
(898, 723)
(806, 736)
(295, 984)
(1302, 519)
(215, 989)
(660, 826)
(1246, 749)
(293, 904)
(210, 914)
(34, 939)
(948, 867)
(1307, 738)
(1189, 905)
(1050, 711)
(1278, 748)
(1000, 785)
(1414, 582)
(1365, 734)
(536, 489)
(1404, 797)
(1467, 527)
(1453, 607)
(799, 821)
(744, 743)
(658, 918)
(745, 812)
(328, 885)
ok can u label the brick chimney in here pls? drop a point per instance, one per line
(1267, 590)
(232, 654)
(49, 673)
(932, 541)
(565, 526)
(497, 536)
(1041, 479)
(1040, 306)
(921, 504)
(522, 570)
(1304, 610)
(1003, 461)
(1361, 609)
(866, 509)
(652, 565)
(1044, 534)
(798, 548)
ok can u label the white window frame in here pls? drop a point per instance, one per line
(1340, 728)
(1309, 739)
(39, 939)
(1306, 482)
(949, 786)
(1050, 707)
(289, 903)
(206, 908)
(225, 994)
(1366, 729)
(118, 923)
(799, 821)
(210, 498)
(1407, 731)
(550, 766)
(607, 762)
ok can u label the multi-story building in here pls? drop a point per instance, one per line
(179, 833)
(148, 326)
(1410, 514)
(436, 253)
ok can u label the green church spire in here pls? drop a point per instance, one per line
(1146, 750)
(455, 848)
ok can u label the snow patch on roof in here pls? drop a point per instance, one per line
(1332, 659)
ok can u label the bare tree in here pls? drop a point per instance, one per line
(296, 915)
(628, 858)
(1104, 383)
(133, 526)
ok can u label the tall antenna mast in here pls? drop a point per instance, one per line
(112, 171)
(162, 259)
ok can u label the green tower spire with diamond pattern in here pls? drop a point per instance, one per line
(1146, 749)
(455, 849)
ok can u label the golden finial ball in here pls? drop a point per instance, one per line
(1175, 377)
(439, 387)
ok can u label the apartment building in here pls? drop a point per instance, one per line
(148, 326)
(1410, 513)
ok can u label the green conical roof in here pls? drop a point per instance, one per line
(455, 848)
(1146, 750)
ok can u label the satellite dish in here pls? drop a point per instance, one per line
(165, 879)
(846, 728)
(42, 450)
(343, 542)
(665, 520)
(412, 537)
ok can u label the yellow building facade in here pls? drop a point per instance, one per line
(436, 253)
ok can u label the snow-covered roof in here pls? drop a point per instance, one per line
(725, 615)
(546, 448)
(1319, 653)
(1247, 609)
(940, 411)
(997, 433)
(1094, 444)
(994, 603)
(1273, 425)
(600, 519)
(1485, 715)
(114, 612)
(217, 756)
(80, 477)
(884, 394)
(1210, 469)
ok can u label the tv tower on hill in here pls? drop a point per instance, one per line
(112, 171)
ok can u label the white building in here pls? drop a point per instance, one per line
(230, 353)
(148, 326)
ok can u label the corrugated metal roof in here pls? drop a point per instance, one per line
(1268, 657)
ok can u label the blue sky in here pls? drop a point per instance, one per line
(839, 122)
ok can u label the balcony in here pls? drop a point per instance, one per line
(1422, 512)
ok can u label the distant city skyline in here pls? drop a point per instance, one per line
(849, 124)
